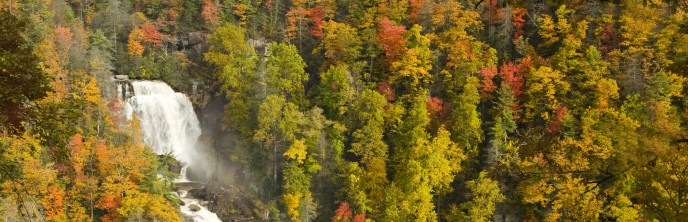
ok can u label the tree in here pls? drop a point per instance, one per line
(484, 195)
(368, 143)
(544, 88)
(235, 62)
(297, 19)
(335, 91)
(423, 166)
(151, 35)
(22, 81)
(340, 44)
(504, 124)
(210, 13)
(450, 22)
(466, 127)
(412, 70)
(343, 214)
(392, 39)
(134, 46)
(285, 73)
(487, 85)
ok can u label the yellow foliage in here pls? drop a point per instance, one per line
(297, 151)
(291, 202)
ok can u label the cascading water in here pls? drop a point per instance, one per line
(168, 124)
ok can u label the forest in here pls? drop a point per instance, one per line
(354, 110)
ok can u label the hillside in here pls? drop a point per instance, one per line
(347, 110)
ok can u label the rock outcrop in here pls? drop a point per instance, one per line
(230, 204)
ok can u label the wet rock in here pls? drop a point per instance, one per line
(194, 207)
(121, 77)
(199, 193)
(230, 204)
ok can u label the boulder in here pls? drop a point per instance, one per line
(121, 77)
(230, 204)
(194, 207)
(196, 38)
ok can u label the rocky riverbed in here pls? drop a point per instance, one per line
(229, 204)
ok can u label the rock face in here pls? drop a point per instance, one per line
(230, 204)
(173, 165)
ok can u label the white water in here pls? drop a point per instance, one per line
(168, 124)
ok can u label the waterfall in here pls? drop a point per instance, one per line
(169, 125)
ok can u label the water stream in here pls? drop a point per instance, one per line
(169, 125)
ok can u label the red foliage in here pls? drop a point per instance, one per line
(151, 34)
(555, 124)
(115, 107)
(510, 76)
(434, 105)
(513, 74)
(518, 21)
(343, 214)
(359, 218)
(487, 85)
(317, 17)
(610, 39)
(385, 89)
(392, 39)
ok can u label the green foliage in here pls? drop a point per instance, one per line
(484, 195)
(285, 74)
(21, 78)
(335, 91)
(580, 114)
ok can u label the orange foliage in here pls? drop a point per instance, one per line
(317, 17)
(297, 17)
(76, 148)
(151, 34)
(110, 203)
(210, 12)
(434, 105)
(64, 38)
(416, 6)
(343, 214)
(518, 21)
(494, 12)
(240, 10)
(134, 46)
(54, 204)
(487, 85)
